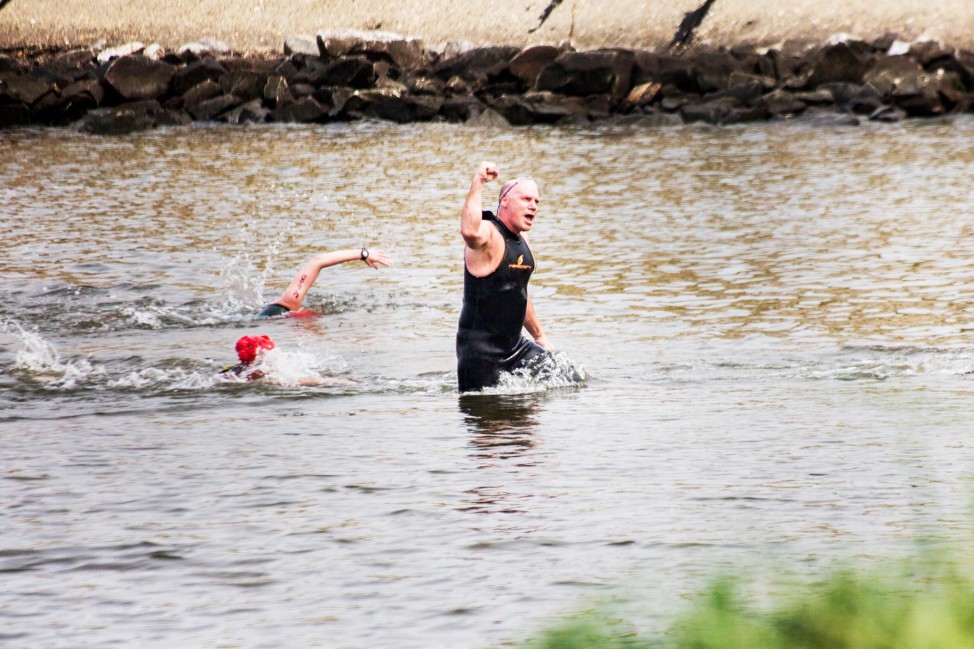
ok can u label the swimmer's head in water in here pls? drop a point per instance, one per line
(248, 346)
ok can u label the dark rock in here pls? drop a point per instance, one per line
(596, 106)
(843, 62)
(589, 73)
(405, 108)
(403, 54)
(10, 65)
(529, 62)
(746, 114)
(76, 100)
(675, 102)
(213, 108)
(304, 110)
(960, 64)
(333, 98)
(965, 105)
(549, 108)
(783, 66)
(457, 86)
(287, 69)
(865, 101)
(712, 112)
(129, 118)
(664, 69)
(842, 93)
(15, 114)
(927, 103)
(928, 53)
(23, 88)
(476, 64)
(744, 94)
(767, 83)
(72, 64)
(331, 46)
(112, 122)
(276, 91)
(887, 114)
(86, 87)
(911, 88)
(245, 84)
(783, 104)
(461, 109)
(425, 86)
(264, 67)
(199, 93)
(488, 118)
(894, 72)
(173, 118)
(353, 72)
(252, 111)
(195, 73)
(882, 44)
(137, 78)
(299, 90)
(712, 70)
(514, 110)
(384, 70)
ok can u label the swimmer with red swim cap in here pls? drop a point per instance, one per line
(290, 301)
(248, 348)
(253, 348)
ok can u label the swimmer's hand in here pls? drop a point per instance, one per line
(543, 341)
(486, 173)
(377, 258)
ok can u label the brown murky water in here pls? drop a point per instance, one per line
(776, 321)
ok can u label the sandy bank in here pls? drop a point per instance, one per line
(264, 24)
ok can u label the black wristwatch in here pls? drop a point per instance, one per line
(365, 254)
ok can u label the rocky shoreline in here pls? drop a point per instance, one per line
(352, 76)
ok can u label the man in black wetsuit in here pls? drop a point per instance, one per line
(497, 266)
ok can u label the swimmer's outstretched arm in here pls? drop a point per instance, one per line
(474, 231)
(533, 325)
(302, 282)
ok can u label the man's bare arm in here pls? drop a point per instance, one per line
(533, 325)
(474, 231)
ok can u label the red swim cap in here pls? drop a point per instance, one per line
(248, 345)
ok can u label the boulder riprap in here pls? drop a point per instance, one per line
(375, 75)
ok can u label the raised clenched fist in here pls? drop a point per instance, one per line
(487, 172)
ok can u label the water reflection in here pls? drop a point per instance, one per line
(503, 429)
(503, 425)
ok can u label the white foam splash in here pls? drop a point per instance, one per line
(40, 359)
(290, 368)
(550, 372)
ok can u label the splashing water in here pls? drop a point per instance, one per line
(41, 361)
(291, 369)
(547, 372)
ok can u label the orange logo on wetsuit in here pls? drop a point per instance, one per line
(519, 265)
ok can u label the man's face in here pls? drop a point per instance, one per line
(519, 207)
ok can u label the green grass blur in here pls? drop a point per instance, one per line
(913, 605)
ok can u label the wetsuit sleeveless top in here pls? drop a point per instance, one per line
(489, 338)
(273, 310)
